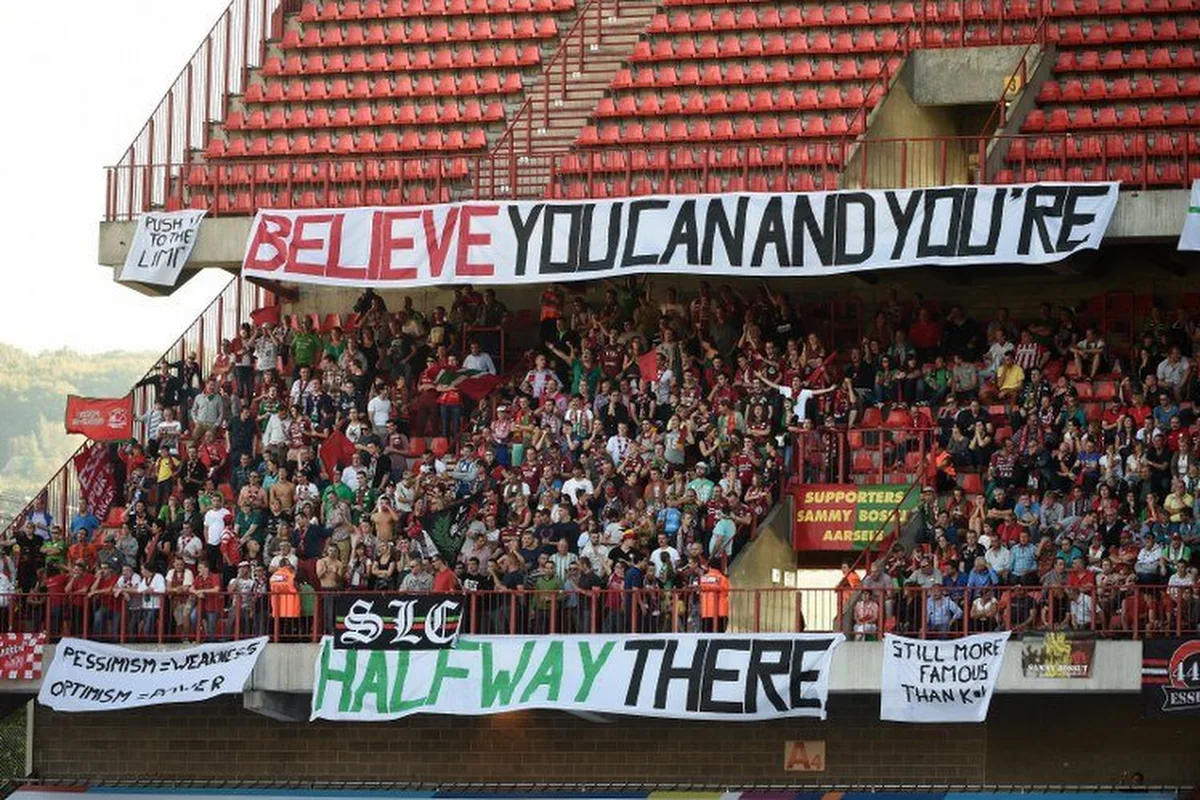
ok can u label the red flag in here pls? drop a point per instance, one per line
(336, 452)
(97, 481)
(267, 315)
(478, 387)
(100, 419)
(648, 364)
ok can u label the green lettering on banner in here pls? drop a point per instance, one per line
(502, 683)
(549, 674)
(343, 676)
(374, 681)
(591, 667)
(399, 704)
(441, 671)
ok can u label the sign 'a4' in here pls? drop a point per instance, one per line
(397, 621)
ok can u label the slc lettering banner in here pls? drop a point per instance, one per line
(162, 244)
(753, 235)
(396, 622)
(940, 681)
(89, 676)
(694, 676)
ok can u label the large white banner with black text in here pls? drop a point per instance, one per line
(162, 243)
(752, 235)
(721, 677)
(949, 680)
(90, 676)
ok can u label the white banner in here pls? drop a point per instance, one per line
(90, 676)
(696, 676)
(1189, 238)
(752, 235)
(162, 244)
(940, 681)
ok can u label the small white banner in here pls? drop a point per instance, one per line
(162, 244)
(90, 676)
(722, 677)
(940, 681)
(1189, 239)
(749, 235)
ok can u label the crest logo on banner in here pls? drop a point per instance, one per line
(940, 681)
(1171, 676)
(21, 656)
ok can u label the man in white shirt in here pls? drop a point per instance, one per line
(1149, 560)
(352, 475)
(275, 434)
(215, 521)
(998, 558)
(664, 548)
(153, 587)
(577, 485)
(618, 445)
(1174, 371)
(479, 361)
(380, 411)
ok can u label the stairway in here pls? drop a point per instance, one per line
(523, 156)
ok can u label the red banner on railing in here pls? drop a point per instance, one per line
(100, 419)
(21, 656)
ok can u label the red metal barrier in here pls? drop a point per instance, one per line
(1136, 612)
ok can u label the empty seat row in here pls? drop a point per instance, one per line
(1185, 57)
(736, 74)
(331, 10)
(866, 40)
(434, 139)
(397, 60)
(644, 185)
(438, 31)
(1127, 116)
(721, 130)
(1168, 173)
(245, 202)
(736, 102)
(448, 85)
(1120, 31)
(1073, 90)
(1109, 146)
(826, 154)
(366, 116)
(464, 57)
(354, 171)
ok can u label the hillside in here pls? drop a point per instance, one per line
(33, 392)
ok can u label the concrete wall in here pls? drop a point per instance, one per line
(961, 76)
(1059, 740)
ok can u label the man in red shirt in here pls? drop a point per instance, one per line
(206, 586)
(103, 602)
(444, 579)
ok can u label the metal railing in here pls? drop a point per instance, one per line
(896, 454)
(219, 320)
(1133, 611)
(181, 123)
(507, 157)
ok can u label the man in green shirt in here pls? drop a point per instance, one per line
(305, 345)
(545, 587)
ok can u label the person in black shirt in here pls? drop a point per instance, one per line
(240, 437)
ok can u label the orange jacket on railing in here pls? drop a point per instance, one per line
(285, 600)
(714, 594)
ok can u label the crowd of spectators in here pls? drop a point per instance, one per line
(635, 448)
(1067, 472)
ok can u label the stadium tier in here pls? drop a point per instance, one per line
(345, 104)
